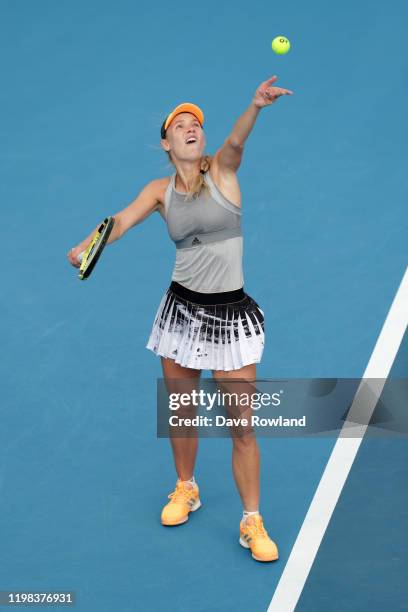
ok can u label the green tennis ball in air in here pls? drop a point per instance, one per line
(280, 45)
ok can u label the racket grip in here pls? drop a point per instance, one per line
(80, 256)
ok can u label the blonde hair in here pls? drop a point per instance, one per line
(199, 183)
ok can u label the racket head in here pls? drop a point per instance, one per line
(95, 247)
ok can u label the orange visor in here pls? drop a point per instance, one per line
(186, 107)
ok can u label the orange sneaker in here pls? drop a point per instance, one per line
(183, 500)
(253, 535)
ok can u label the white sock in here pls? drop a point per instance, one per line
(246, 513)
(191, 481)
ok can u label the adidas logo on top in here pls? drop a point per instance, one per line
(195, 241)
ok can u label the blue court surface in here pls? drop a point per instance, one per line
(83, 477)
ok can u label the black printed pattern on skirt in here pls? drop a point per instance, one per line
(222, 336)
(213, 319)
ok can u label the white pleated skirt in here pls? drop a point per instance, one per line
(222, 336)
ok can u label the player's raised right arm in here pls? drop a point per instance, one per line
(142, 206)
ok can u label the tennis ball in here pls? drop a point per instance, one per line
(280, 45)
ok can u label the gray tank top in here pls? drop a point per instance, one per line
(208, 238)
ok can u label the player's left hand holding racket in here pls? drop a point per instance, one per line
(86, 259)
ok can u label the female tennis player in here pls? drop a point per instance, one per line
(205, 320)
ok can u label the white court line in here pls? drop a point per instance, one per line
(295, 573)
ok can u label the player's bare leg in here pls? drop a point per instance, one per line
(246, 464)
(182, 380)
(245, 452)
(185, 497)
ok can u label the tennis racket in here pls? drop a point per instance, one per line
(90, 256)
